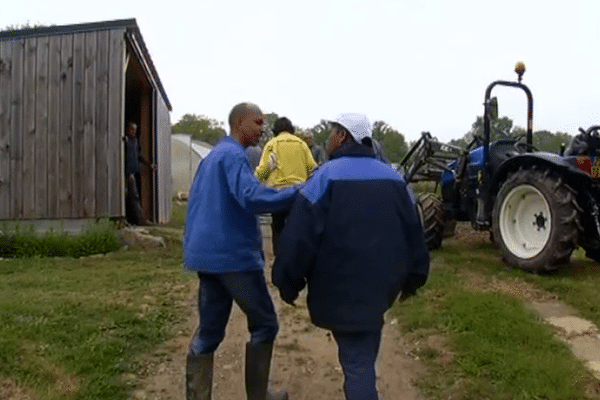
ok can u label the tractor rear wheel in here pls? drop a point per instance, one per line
(535, 220)
(432, 219)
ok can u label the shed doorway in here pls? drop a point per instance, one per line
(139, 106)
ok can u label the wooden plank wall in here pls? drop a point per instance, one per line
(77, 121)
(15, 77)
(28, 133)
(40, 164)
(61, 124)
(54, 86)
(5, 149)
(101, 124)
(89, 125)
(65, 134)
(116, 123)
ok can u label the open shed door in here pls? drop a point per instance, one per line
(163, 160)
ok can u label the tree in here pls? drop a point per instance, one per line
(545, 140)
(321, 132)
(392, 142)
(558, 139)
(200, 128)
(26, 25)
(270, 119)
(502, 128)
(394, 146)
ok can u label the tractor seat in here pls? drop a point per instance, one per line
(501, 151)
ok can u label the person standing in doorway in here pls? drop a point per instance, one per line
(133, 169)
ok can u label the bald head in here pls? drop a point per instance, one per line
(238, 112)
(247, 123)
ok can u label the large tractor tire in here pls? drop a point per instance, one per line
(432, 219)
(449, 228)
(535, 220)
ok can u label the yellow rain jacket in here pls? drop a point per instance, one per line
(294, 161)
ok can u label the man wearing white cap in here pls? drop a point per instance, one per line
(354, 237)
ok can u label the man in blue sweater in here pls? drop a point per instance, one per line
(223, 243)
(354, 237)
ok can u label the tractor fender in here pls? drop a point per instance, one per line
(542, 160)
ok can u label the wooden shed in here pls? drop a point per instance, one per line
(66, 93)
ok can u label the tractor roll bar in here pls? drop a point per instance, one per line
(486, 115)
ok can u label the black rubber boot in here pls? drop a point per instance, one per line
(198, 377)
(258, 365)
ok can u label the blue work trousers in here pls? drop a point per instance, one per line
(357, 352)
(216, 294)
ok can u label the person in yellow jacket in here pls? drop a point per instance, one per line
(286, 160)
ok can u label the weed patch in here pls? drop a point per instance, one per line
(96, 238)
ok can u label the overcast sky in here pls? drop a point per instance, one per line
(418, 65)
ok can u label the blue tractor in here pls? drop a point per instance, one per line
(538, 206)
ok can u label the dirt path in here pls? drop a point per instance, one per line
(305, 360)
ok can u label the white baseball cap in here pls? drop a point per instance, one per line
(358, 125)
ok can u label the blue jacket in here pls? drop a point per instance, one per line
(354, 236)
(132, 155)
(222, 232)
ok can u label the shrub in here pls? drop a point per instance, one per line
(96, 238)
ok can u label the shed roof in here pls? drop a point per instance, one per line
(133, 33)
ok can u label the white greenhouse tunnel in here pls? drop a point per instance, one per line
(186, 155)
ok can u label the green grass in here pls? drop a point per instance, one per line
(426, 187)
(96, 238)
(575, 284)
(178, 214)
(73, 327)
(492, 345)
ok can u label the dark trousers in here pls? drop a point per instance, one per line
(133, 208)
(215, 300)
(357, 352)
(277, 224)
